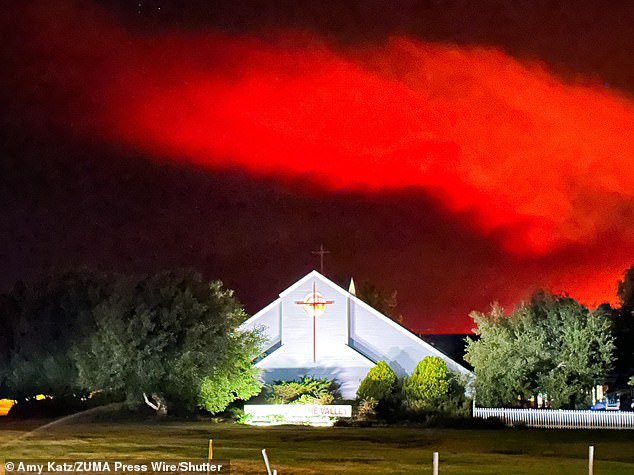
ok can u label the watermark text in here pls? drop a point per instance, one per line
(46, 467)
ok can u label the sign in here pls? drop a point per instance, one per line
(314, 414)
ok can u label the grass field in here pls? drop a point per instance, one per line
(305, 450)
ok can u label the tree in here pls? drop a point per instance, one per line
(171, 340)
(380, 300)
(378, 384)
(551, 345)
(623, 319)
(234, 378)
(625, 290)
(41, 322)
(505, 356)
(9, 315)
(428, 384)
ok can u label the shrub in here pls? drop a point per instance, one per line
(428, 385)
(366, 409)
(306, 390)
(240, 417)
(378, 384)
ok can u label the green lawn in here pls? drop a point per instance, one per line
(305, 450)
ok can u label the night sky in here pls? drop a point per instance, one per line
(458, 152)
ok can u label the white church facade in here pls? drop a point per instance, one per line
(316, 328)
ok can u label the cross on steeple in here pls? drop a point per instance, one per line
(321, 253)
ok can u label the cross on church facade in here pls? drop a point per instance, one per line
(321, 252)
(314, 305)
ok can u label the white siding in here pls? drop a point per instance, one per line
(379, 338)
(350, 338)
(348, 368)
(297, 325)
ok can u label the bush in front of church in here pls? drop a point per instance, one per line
(378, 384)
(429, 383)
(305, 390)
(378, 394)
(433, 389)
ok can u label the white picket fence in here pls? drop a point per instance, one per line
(559, 419)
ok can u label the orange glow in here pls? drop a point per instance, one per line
(5, 406)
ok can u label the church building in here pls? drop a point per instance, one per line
(316, 328)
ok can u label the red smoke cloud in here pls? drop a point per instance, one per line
(537, 164)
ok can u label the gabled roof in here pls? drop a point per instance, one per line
(306, 278)
(289, 290)
(316, 275)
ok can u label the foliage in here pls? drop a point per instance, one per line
(305, 390)
(241, 417)
(623, 331)
(429, 383)
(235, 379)
(380, 300)
(506, 356)
(631, 381)
(244, 418)
(378, 384)
(551, 345)
(41, 322)
(173, 337)
(625, 290)
(366, 409)
(456, 403)
(623, 323)
(452, 405)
